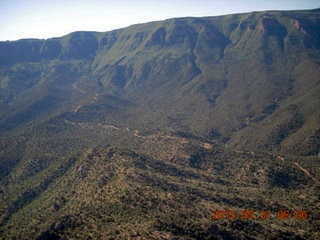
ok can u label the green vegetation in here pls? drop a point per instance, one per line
(113, 192)
(139, 133)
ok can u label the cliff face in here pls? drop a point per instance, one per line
(243, 77)
(202, 111)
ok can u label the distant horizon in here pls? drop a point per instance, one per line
(33, 38)
(43, 19)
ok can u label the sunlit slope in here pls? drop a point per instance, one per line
(142, 131)
(251, 79)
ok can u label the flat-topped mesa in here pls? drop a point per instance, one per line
(77, 45)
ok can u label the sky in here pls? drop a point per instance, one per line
(54, 18)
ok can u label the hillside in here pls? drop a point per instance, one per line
(140, 132)
(166, 188)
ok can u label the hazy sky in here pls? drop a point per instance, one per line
(54, 18)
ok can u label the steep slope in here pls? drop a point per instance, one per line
(192, 111)
(221, 76)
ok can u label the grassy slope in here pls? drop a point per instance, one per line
(224, 75)
(221, 78)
